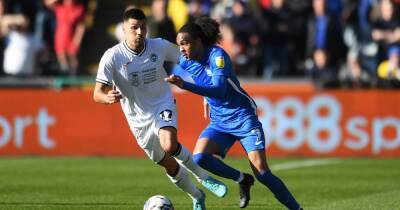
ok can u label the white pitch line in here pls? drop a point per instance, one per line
(304, 163)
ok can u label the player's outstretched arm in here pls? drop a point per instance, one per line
(105, 94)
(176, 80)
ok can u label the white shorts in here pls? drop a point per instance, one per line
(147, 136)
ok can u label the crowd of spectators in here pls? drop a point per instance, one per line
(350, 43)
(41, 37)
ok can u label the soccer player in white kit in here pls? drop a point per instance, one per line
(135, 68)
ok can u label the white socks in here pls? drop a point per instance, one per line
(183, 181)
(184, 158)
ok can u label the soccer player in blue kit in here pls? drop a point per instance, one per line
(232, 112)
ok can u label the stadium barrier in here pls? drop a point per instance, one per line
(297, 120)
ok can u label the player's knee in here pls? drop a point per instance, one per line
(200, 159)
(170, 147)
(262, 176)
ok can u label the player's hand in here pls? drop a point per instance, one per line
(176, 80)
(113, 96)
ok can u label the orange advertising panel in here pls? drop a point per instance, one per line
(297, 121)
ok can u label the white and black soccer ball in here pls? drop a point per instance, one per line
(158, 202)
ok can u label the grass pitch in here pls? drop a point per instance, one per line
(126, 183)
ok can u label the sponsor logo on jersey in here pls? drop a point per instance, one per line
(153, 57)
(134, 79)
(220, 62)
(166, 115)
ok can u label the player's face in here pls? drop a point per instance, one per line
(135, 33)
(190, 48)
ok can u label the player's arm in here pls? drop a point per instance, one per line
(206, 109)
(216, 90)
(106, 94)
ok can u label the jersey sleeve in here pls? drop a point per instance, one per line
(104, 72)
(171, 51)
(219, 63)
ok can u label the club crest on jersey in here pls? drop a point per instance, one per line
(220, 62)
(166, 115)
(153, 57)
(134, 79)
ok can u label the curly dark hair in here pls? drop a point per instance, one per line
(205, 28)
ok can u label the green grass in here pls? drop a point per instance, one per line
(125, 183)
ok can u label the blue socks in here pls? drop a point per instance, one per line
(216, 166)
(279, 189)
(274, 184)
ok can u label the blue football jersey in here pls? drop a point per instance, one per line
(229, 113)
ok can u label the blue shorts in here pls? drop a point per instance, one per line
(251, 140)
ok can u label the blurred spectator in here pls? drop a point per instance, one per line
(360, 68)
(45, 25)
(276, 37)
(160, 24)
(21, 48)
(198, 8)
(324, 43)
(322, 73)
(386, 29)
(245, 28)
(368, 48)
(2, 41)
(299, 13)
(221, 10)
(228, 42)
(178, 11)
(334, 9)
(28, 8)
(69, 33)
(265, 4)
(389, 70)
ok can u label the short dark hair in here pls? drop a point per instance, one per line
(134, 13)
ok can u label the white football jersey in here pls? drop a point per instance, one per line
(139, 78)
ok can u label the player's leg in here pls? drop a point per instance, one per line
(168, 140)
(73, 50)
(254, 143)
(150, 143)
(212, 144)
(166, 121)
(60, 46)
(266, 177)
(73, 64)
(62, 61)
(206, 155)
(179, 176)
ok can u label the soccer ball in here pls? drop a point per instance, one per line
(158, 202)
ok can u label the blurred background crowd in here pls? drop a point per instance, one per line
(335, 43)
